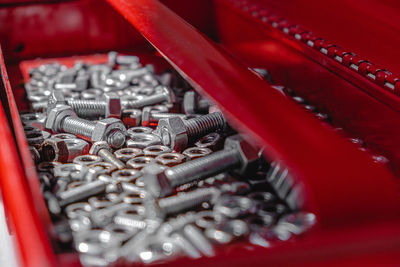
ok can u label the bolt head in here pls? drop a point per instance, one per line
(248, 155)
(173, 133)
(107, 127)
(166, 91)
(56, 98)
(113, 105)
(56, 115)
(155, 181)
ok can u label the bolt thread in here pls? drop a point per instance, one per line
(186, 201)
(147, 101)
(203, 167)
(109, 157)
(198, 127)
(88, 108)
(78, 126)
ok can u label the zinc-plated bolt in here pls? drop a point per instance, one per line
(81, 192)
(165, 95)
(103, 150)
(63, 118)
(237, 154)
(151, 117)
(178, 133)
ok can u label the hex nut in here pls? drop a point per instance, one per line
(211, 141)
(156, 150)
(104, 127)
(87, 159)
(170, 159)
(35, 138)
(125, 154)
(35, 154)
(139, 162)
(173, 133)
(132, 117)
(47, 166)
(142, 140)
(126, 175)
(113, 105)
(248, 155)
(63, 150)
(196, 152)
(140, 129)
(56, 115)
(71, 170)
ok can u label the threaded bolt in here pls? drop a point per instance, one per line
(164, 96)
(237, 154)
(62, 118)
(103, 150)
(178, 133)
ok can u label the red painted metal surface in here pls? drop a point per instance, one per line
(321, 159)
(356, 200)
(354, 103)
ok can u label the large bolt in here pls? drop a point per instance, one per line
(165, 95)
(63, 118)
(103, 150)
(109, 106)
(178, 133)
(151, 117)
(237, 154)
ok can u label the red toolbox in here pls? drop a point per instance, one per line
(212, 44)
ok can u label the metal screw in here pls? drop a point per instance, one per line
(103, 150)
(237, 154)
(81, 192)
(178, 133)
(62, 118)
(194, 104)
(164, 96)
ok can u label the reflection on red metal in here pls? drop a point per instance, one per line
(328, 166)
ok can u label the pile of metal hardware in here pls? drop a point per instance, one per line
(137, 167)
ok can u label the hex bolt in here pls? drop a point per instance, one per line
(178, 133)
(237, 154)
(151, 117)
(165, 95)
(103, 150)
(81, 192)
(109, 106)
(194, 104)
(63, 118)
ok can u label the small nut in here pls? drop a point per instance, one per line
(196, 152)
(31, 129)
(77, 210)
(66, 150)
(139, 162)
(72, 170)
(126, 175)
(35, 138)
(137, 130)
(131, 117)
(170, 159)
(133, 197)
(142, 140)
(212, 141)
(47, 166)
(125, 154)
(156, 150)
(96, 169)
(87, 159)
(35, 154)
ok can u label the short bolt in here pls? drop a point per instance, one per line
(63, 118)
(151, 117)
(81, 192)
(103, 150)
(237, 154)
(178, 133)
(165, 95)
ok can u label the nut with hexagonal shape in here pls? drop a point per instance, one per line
(56, 115)
(63, 150)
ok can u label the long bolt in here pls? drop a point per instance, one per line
(237, 154)
(178, 133)
(81, 192)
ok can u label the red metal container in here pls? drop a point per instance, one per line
(212, 43)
